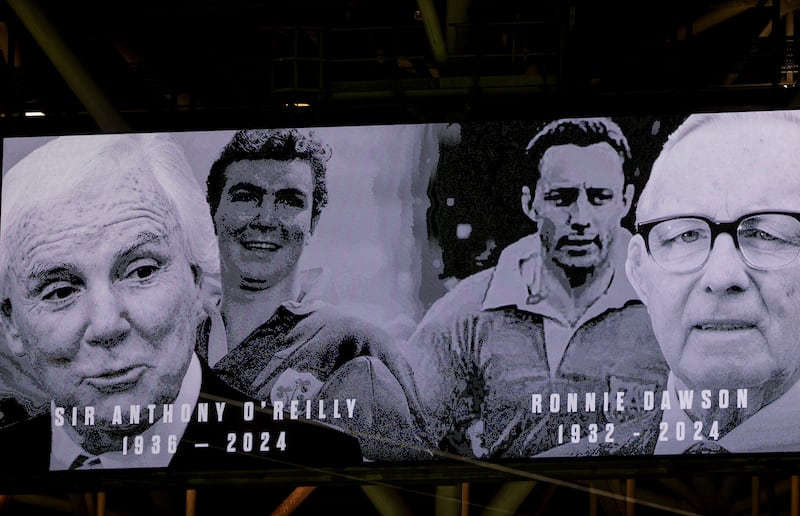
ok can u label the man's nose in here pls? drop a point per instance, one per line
(724, 272)
(579, 212)
(108, 324)
(265, 212)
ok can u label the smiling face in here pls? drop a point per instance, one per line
(102, 297)
(726, 325)
(579, 201)
(263, 221)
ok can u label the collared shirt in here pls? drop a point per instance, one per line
(518, 280)
(487, 346)
(772, 429)
(64, 450)
(309, 350)
(292, 354)
(316, 289)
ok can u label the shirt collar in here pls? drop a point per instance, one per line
(64, 450)
(316, 289)
(772, 429)
(517, 279)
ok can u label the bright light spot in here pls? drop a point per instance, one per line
(34, 113)
(463, 231)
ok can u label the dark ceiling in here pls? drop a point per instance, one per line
(212, 63)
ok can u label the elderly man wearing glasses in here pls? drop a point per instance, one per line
(715, 261)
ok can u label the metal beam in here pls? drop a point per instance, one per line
(509, 498)
(433, 29)
(711, 20)
(69, 66)
(457, 14)
(448, 500)
(386, 500)
(293, 501)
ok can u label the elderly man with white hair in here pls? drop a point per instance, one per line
(105, 244)
(715, 261)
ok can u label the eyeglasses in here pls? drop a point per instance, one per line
(765, 240)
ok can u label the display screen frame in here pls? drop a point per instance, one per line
(426, 207)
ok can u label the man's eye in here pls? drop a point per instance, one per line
(689, 236)
(599, 196)
(557, 200)
(562, 197)
(144, 272)
(760, 235)
(679, 238)
(58, 292)
(141, 269)
(291, 200)
(243, 196)
(763, 235)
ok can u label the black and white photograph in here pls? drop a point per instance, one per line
(715, 261)
(295, 307)
(494, 291)
(554, 317)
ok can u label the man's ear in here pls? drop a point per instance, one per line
(526, 200)
(197, 275)
(627, 196)
(10, 330)
(202, 288)
(633, 267)
(312, 227)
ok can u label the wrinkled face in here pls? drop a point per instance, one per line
(102, 296)
(263, 220)
(579, 201)
(726, 325)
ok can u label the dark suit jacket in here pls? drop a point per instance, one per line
(25, 446)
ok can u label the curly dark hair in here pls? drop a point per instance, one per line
(277, 144)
